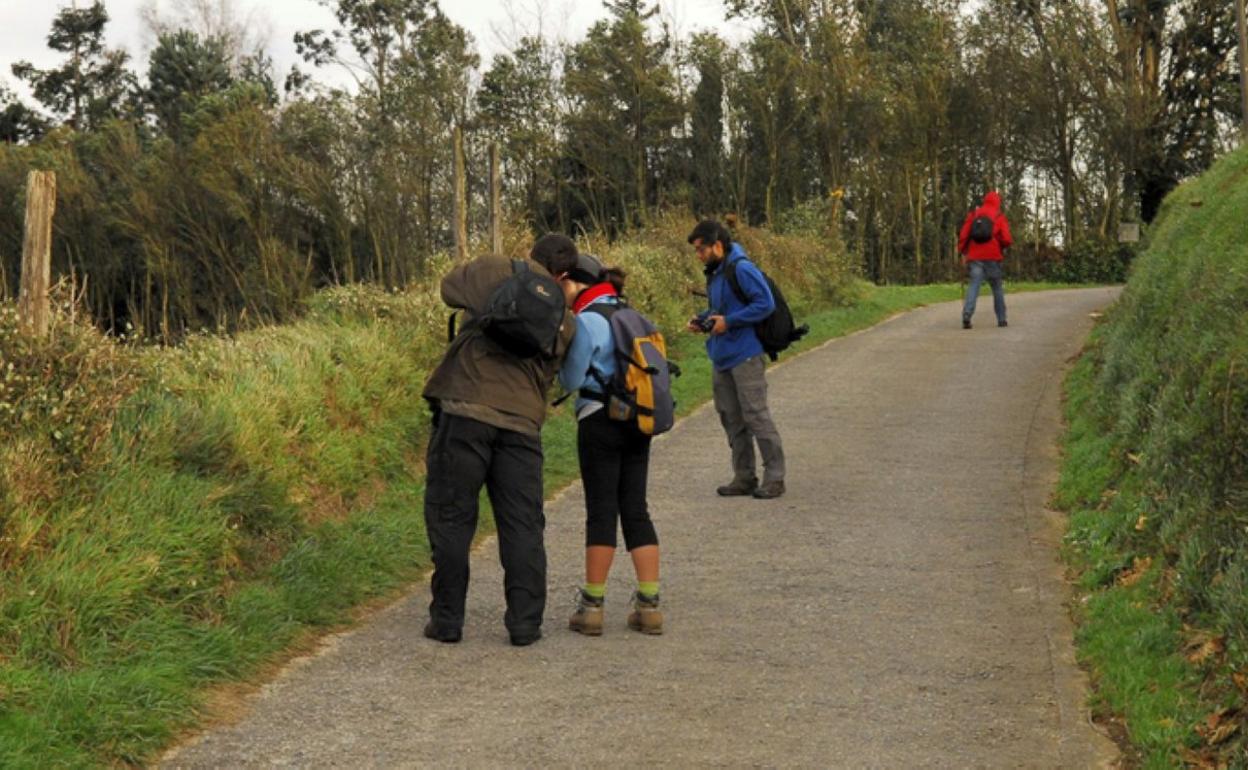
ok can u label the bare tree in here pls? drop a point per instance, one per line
(243, 34)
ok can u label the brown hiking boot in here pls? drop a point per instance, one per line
(587, 619)
(646, 616)
(769, 490)
(737, 488)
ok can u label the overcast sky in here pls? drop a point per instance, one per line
(494, 24)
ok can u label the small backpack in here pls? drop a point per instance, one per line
(777, 331)
(982, 227)
(523, 314)
(641, 388)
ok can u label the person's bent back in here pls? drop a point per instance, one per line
(488, 404)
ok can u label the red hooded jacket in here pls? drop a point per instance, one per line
(1001, 238)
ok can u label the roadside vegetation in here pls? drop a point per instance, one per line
(1156, 480)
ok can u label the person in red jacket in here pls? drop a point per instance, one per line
(985, 234)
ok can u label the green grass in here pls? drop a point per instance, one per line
(1155, 478)
(1127, 637)
(254, 493)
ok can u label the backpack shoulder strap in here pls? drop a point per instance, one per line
(606, 311)
(603, 309)
(730, 274)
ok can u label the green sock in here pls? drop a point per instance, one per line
(595, 590)
(646, 588)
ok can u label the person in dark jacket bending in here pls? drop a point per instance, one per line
(488, 407)
(739, 363)
(983, 258)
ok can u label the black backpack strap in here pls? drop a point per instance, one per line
(465, 326)
(602, 309)
(730, 274)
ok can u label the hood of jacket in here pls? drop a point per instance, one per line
(992, 201)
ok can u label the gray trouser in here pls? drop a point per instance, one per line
(741, 400)
(985, 270)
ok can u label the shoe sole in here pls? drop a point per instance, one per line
(636, 624)
(586, 630)
(445, 637)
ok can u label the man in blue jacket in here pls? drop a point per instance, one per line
(739, 379)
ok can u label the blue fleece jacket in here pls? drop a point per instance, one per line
(739, 343)
(592, 347)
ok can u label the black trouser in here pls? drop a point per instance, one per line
(615, 459)
(463, 455)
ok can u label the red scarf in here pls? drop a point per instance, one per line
(604, 289)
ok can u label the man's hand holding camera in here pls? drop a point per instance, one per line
(711, 324)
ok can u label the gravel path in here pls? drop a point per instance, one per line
(901, 606)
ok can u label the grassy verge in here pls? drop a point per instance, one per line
(1156, 483)
(251, 494)
(1130, 640)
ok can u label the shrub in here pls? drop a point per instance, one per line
(1091, 261)
(59, 397)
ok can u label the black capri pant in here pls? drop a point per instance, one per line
(615, 460)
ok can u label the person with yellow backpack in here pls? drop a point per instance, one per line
(617, 365)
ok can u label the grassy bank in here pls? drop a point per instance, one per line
(1156, 479)
(176, 519)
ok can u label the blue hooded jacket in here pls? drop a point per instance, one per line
(591, 348)
(739, 343)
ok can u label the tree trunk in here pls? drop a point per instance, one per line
(460, 222)
(496, 201)
(1241, 24)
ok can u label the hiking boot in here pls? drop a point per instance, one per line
(646, 616)
(737, 488)
(587, 618)
(446, 635)
(966, 323)
(769, 490)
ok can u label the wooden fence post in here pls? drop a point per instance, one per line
(461, 197)
(32, 304)
(1241, 26)
(496, 201)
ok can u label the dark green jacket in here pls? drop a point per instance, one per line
(475, 369)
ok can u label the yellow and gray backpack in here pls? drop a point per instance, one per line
(641, 388)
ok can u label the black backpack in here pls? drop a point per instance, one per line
(523, 314)
(777, 331)
(982, 227)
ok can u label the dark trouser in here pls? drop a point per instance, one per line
(741, 400)
(615, 459)
(463, 455)
(989, 270)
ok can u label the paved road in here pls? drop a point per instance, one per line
(900, 606)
